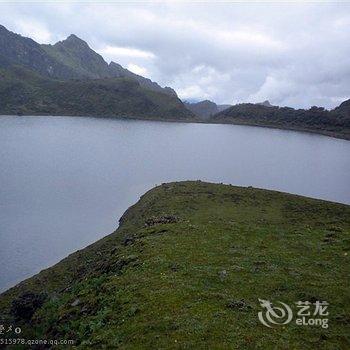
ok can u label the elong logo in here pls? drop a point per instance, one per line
(274, 315)
(283, 314)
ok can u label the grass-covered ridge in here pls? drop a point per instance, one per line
(185, 270)
(24, 92)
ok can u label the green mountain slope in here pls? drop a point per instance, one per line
(75, 53)
(334, 123)
(185, 270)
(71, 58)
(18, 50)
(24, 92)
(69, 78)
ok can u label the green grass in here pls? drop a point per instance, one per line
(176, 285)
(24, 92)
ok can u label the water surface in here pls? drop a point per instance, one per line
(64, 182)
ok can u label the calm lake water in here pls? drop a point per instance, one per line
(64, 182)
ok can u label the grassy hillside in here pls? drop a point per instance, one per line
(25, 92)
(18, 50)
(77, 55)
(335, 123)
(185, 270)
(71, 58)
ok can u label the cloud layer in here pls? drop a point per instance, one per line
(294, 54)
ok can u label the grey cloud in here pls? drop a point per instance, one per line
(290, 53)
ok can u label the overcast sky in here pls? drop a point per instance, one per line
(291, 54)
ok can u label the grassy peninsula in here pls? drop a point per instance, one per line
(185, 270)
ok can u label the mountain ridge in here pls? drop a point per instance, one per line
(78, 54)
(34, 77)
(71, 58)
(69, 78)
(18, 50)
(24, 92)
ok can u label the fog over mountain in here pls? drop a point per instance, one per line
(290, 54)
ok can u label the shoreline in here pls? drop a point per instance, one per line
(176, 120)
(142, 268)
(128, 209)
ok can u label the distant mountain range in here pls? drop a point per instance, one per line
(205, 109)
(69, 78)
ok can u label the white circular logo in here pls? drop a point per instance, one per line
(274, 315)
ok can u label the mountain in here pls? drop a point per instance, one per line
(17, 50)
(24, 92)
(69, 78)
(334, 123)
(76, 54)
(205, 109)
(343, 109)
(116, 70)
(266, 103)
(186, 269)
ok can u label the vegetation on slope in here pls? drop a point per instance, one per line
(76, 54)
(69, 78)
(185, 270)
(71, 58)
(334, 123)
(25, 92)
(18, 50)
(43, 80)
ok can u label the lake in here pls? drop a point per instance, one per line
(66, 181)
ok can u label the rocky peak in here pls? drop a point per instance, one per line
(266, 103)
(73, 37)
(76, 53)
(19, 50)
(72, 41)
